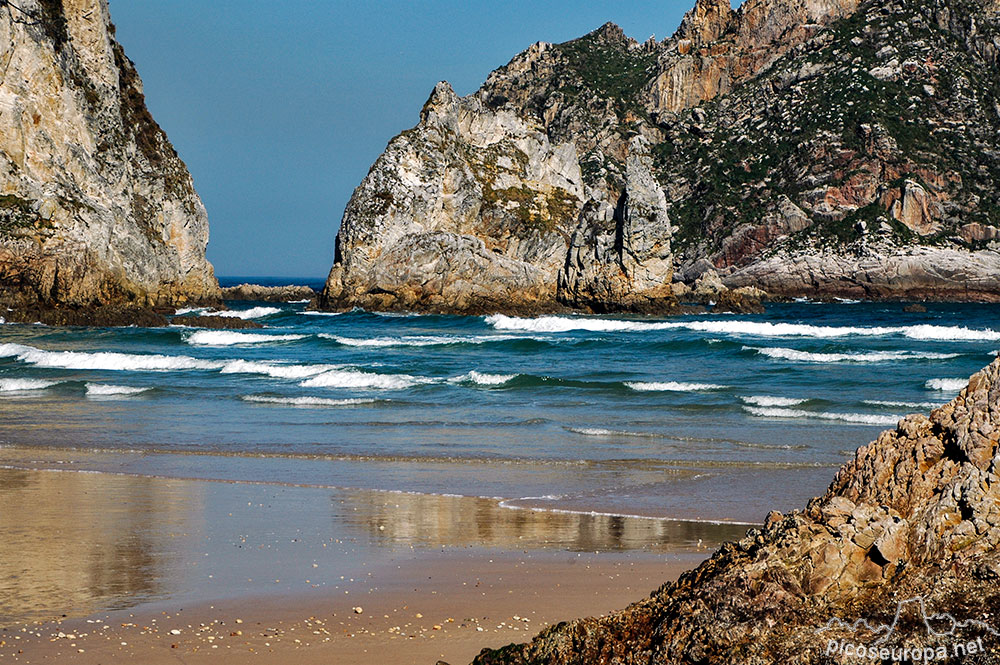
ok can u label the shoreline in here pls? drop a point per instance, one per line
(127, 559)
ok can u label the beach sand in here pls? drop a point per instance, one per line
(441, 608)
(251, 572)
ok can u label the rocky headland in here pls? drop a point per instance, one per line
(97, 211)
(907, 531)
(814, 148)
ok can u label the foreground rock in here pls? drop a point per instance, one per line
(912, 525)
(820, 148)
(258, 293)
(96, 208)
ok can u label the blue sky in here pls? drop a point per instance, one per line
(279, 108)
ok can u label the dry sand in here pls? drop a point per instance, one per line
(447, 606)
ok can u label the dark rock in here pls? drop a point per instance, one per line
(258, 293)
(914, 308)
(228, 322)
(106, 316)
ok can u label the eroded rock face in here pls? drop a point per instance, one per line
(806, 147)
(469, 210)
(95, 206)
(620, 258)
(913, 520)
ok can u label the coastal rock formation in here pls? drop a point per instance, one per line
(907, 531)
(96, 208)
(259, 293)
(805, 147)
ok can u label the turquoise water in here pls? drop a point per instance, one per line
(711, 417)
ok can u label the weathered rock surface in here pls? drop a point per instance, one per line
(912, 522)
(259, 293)
(95, 206)
(805, 147)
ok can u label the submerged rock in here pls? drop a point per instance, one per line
(908, 530)
(258, 293)
(96, 208)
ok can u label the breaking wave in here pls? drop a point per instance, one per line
(859, 418)
(767, 400)
(867, 357)
(947, 385)
(672, 386)
(229, 338)
(306, 401)
(756, 328)
(104, 389)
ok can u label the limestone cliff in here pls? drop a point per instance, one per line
(96, 207)
(911, 524)
(806, 147)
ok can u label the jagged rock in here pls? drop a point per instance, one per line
(620, 259)
(95, 206)
(913, 521)
(708, 285)
(259, 293)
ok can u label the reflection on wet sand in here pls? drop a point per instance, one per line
(449, 521)
(76, 543)
(79, 543)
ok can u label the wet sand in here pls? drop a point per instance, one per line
(276, 572)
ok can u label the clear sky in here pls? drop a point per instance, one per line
(280, 107)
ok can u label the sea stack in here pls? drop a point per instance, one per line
(96, 208)
(823, 148)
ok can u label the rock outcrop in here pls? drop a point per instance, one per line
(96, 208)
(908, 530)
(259, 293)
(805, 147)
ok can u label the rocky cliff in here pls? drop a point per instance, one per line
(96, 208)
(801, 146)
(908, 531)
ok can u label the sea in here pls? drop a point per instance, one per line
(679, 422)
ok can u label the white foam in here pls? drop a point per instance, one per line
(483, 379)
(364, 380)
(230, 338)
(859, 418)
(103, 360)
(599, 431)
(306, 401)
(252, 313)
(735, 327)
(17, 385)
(766, 400)
(102, 389)
(903, 405)
(867, 357)
(191, 310)
(947, 385)
(672, 386)
(314, 313)
(275, 370)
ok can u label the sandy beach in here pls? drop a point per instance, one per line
(146, 569)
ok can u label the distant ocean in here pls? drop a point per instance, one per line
(704, 417)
